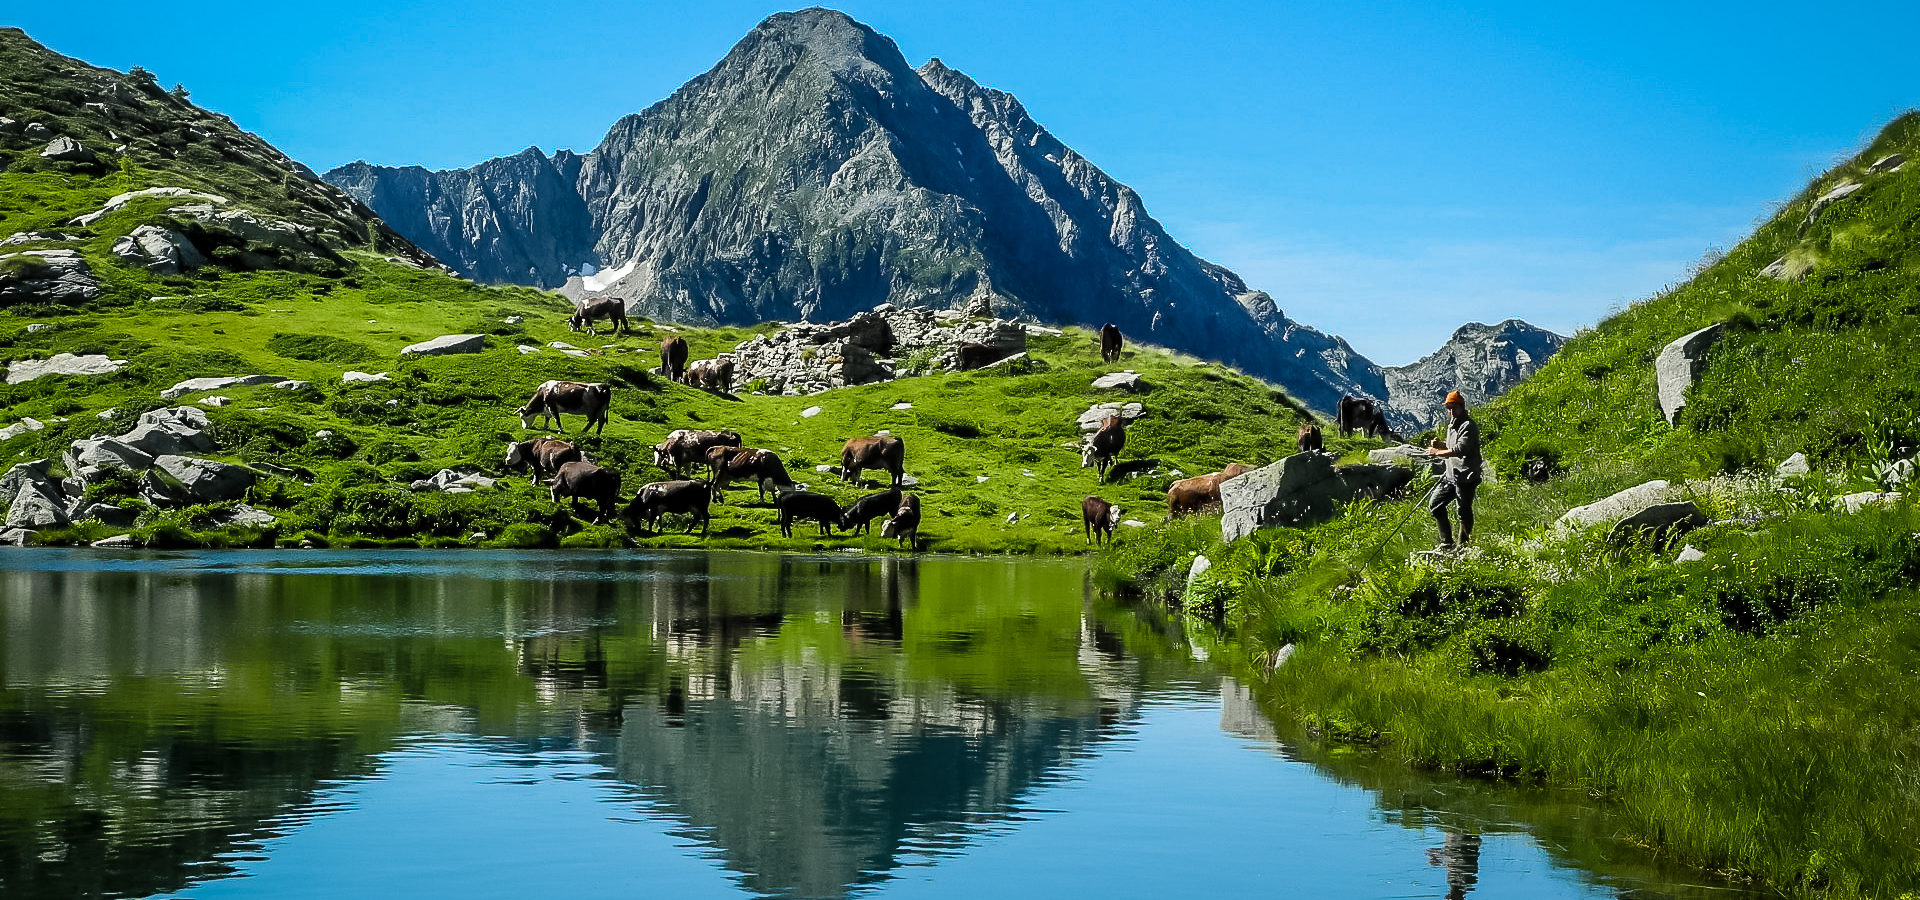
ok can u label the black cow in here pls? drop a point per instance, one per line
(1110, 343)
(673, 358)
(596, 308)
(578, 480)
(1098, 517)
(542, 456)
(808, 505)
(1104, 446)
(858, 517)
(662, 497)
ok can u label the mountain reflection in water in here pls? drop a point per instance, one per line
(225, 723)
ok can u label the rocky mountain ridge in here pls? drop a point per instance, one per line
(1480, 361)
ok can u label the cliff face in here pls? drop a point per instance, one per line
(1480, 361)
(812, 174)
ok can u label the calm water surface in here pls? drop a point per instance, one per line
(411, 724)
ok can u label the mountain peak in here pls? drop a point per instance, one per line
(824, 33)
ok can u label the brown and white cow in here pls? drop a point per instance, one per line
(673, 358)
(882, 451)
(542, 456)
(905, 524)
(1098, 518)
(686, 447)
(688, 498)
(1309, 439)
(586, 312)
(762, 467)
(584, 480)
(1190, 495)
(1103, 446)
(555, 397)
(1110, 343)
(711, 375)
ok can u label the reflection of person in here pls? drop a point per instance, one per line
(1460, 853)
(1461, 451)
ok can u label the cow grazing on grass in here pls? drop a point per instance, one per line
(1365, 416)
(673, 358)
(905, 524)
(686, 447)
(1110, 343)
(590, 310)
(555, 397)
(711, 375)
(762, 467)
(1189, 495)
(1308, 439)
(688, 498)
(858, 517)
(970, 356)
(584, 480)
(1104, 446)
(800, 505)
(1098, 518)
(542, 456)
(882, 451)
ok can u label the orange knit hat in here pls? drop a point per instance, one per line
(1454, 397)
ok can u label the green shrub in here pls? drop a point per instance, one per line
(320, 348)
(525, 536)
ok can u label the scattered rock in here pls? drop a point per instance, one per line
(15, 537)
(514, 320)
(1125, 381)
(1018, 362)
(810, 412)
(57, 276)
(363, 378)
(1794, 466)
(979, 479)
(25, 370)
(1279, 658)
(248, 517)
(561, 345)
(37, 237)
(117, 542)
(1090, 420)
(21, 427)
(1043, 330)
(38, 327)
(901, 406)
(1133, 523)
(446, 345)
(1853, 503)
(526, 349)
(196, 385)
(36, 505)
(1616, 507)
(1397, 454)
(158, 250)
(452, 482)
(1889, 163)
(1679, 364)
(93, 454)
(1201, 564)
(980, 307)
(36, 131)
(292, 385)
(205, 480)
(121, 200)
(109, 515)
(1841, 191)
(66, 149)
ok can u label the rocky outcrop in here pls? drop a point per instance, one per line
(1679, 364)
(158, 250)
(1301, 489)
(21, 371)
(877, 345)
(46, 276)
(205, 480)
(1479, 361)
(813, 174)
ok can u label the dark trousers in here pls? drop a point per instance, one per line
(1454, 488)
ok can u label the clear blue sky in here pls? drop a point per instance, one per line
(1386, 170)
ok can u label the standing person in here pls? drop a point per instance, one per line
(1461, 451)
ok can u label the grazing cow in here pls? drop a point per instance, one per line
(1308, 439)
(662, 497)
(808, 505)
(1110, 343)
(742, 463)
(596, 308)
(859, 516)
(542, 456)
(1104, 446)
(881, 451)
(555, 397)
(577, 480)
(711, 375)
(1365, 416)
(1098, 518)
(1194, 494)
(905, 524)
(673, 358)
(970, 356)
(686, 447)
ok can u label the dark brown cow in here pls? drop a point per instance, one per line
(555, 397)
(590, 310)
(763, 467)
(711, 375)
(1190, 495)
(1365, 416)
(882, 451)
(1104, 446)
(1110, 343)
(970, 356)
(673, 358)
(542, 456)
(659, 498)
(858, 517)
(1308, 439)
(808, 505)
(905, 524)
(584, 480)
(685, 447)
(1098, 519)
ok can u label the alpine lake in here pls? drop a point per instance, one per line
(476, 724)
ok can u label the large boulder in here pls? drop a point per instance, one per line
(92, 454)
(36, 505)
(26, 425)
(204, 480)
(1679, 364)
(1373, 481)
(158, 250)
(1300, 488)
(21, 371)
(1839, 192)
(447, 344)
(66, 149)
(1614, 508)
(34, 472)
(55, 276)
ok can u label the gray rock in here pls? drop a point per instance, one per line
(291, 385)
(178, 430)
(117, 542)
(36, 237)
(1854, 503)
(36, 131)
(1090, 420)
(363, 378)
(514, 320)
(9, 126)
(1616, 507)
(66, 149)
(1840, 192)
(1679, 364)
(246, 516)
(1893, 473)
(1889, 163)
(1480, 361)
(1689, 554)
(36, 505)
(109, 515)
(158, 250)
(1398, 453)
(1792, 466)
(1124, 381)
(57, 276)
(1201, 565)
(274, 235)
(91, 454)
(1279, 658)
(980, 307)
(1777, 270)
(1663, 521)
(1299, 488)
(526, 349)
(810, 412)
(196, 385)
(15, 537)
(447, 344)
(21, 371)
(119, 201)
(205, 480)
(25, 425)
